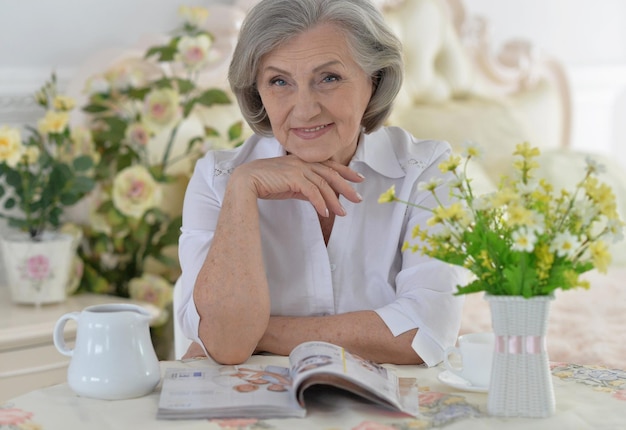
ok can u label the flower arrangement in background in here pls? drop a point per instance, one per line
(139, 113)
(525, 239)
(47, 172)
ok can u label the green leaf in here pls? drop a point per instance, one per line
(138, 93)
(235, 131)
(82, 163)
(211, 132)
(473, 287)
(69, 198)
(213, 96)
(184, 85)
(10, 203)
(95, 108)
(187, 107)
(162, 53)
(83, 185)
(192, 142)
(14, 180)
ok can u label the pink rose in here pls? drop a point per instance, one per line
(38, 267)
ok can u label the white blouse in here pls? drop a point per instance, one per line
(363, 266)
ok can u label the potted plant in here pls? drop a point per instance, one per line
(40, 176)
(520, 243)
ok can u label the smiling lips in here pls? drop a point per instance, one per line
(311, 132)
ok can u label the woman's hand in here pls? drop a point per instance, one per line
(288, 177)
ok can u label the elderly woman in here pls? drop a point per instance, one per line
(283, 239)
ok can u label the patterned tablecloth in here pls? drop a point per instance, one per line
(587, 397)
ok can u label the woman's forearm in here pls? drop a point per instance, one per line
(231, 292)
(363, 333)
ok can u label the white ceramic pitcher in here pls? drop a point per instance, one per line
(113, 356)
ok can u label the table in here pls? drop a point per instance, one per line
(587, 397)
(28, 358)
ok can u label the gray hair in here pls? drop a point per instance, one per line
(272, 22)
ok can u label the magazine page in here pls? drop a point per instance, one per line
(324, 363)
(240, 391)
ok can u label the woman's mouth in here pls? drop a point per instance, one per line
(311, 132)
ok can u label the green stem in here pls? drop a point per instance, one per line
(168, 149)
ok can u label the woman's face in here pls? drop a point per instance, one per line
(315, 95)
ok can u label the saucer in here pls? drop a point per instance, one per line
(456, 381)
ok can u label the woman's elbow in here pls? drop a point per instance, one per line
(230, 357)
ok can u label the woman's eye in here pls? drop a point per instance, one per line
(330, 78)
(278, 82)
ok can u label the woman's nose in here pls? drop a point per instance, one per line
(306, 104)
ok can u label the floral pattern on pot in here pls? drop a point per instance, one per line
(37, 270)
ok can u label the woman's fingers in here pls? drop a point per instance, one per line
(319, 183)
(337, 176)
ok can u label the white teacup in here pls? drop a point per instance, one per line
(476, 353)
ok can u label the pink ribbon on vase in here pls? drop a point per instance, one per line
(520, 344)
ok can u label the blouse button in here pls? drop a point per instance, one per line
(333, 267)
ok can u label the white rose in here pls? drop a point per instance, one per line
(151, 289)
(193, 52)
(161, 109)
(135, 191)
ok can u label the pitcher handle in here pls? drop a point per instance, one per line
(446, 360)
(57, 335)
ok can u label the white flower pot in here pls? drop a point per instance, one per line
(37, 272)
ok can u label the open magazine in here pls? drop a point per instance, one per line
(245, 391)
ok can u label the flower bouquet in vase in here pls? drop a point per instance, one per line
(39, 178)
(520, 243)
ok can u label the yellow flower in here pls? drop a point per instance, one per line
(600, 255)
(31, 154)
(484, 259)
(472, 150)
(451, 164)
(388, 196)
(430, 185)
(63, 103)
(455, 213)
(194, 15)
(519, 215)
(83, 144)
(135, 191)
(161, 109)
(53, 122)
(526, 151)
(545, 259)
(10, 145)
(503, 197)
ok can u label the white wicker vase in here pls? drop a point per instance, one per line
(521, 382)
